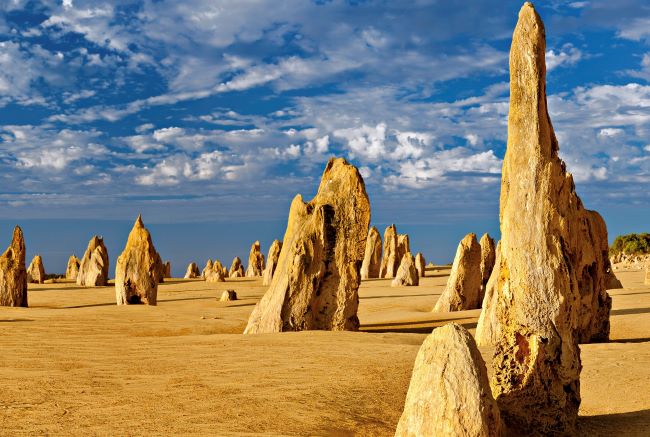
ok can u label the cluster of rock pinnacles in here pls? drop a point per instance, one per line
(542, 288)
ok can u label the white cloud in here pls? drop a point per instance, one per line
(568, 55)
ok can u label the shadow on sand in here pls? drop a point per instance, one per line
(421, 327)
(635, 423)
(397, 295)
(629, 311)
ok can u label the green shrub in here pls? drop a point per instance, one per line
(631, 244)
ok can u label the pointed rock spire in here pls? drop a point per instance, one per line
(551, 284)
(13, 275)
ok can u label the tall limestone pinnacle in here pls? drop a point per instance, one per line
(316, 282)
(13, 275)
(551, 285)
(137, 270)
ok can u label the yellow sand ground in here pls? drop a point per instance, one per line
(75, 363)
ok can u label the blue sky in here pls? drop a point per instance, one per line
(208, 116)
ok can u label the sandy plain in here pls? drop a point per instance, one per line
(74, 363)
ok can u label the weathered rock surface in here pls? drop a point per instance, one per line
(389, 260)
(255, 261)
(167, 272)
(36, 271)
(487, 328)
(215, 273)
(72, 270)
(395, 246)
(463, 290)
(236, 269)
(612, 282)
(315, 285)
(13, 275)
(420, 264)
(449, 393)
(160, 269)
(407, 273)
(372, 256)
(192, 271)
(228, 295)
(137, 269)
(403, 247)
(551, 284)
(207, 269)
(93, 268)
(488, 254)
(271, 262)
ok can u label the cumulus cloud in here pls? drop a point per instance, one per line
(568, 55)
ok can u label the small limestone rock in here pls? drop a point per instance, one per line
(13, 275)
(407, 273)
(136, 271)
(372, 257)
(236, 269)
(93, 268)
(315, 285)
(449, 393)
(420, 264)
(72, 270)
(228, 295)
(271, 262)
(36, 271)
(192, 271)
(464, 284)
(255, 261)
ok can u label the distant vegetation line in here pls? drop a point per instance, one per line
(631, 244)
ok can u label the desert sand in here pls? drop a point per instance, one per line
(75, 363)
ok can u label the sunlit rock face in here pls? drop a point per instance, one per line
(551, 284)
(315, 285)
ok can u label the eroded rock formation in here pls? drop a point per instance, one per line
(167, 271)
(407, 273)
(236, 269)
(36, 271)
(395, 246)
(72, 270)
(487, 328)
(551, 283)
(271, 262)
(420, 264)
(215, 273)
(13, 275)
(463, 290)
(315, 285)
(255, 261)
(372, 256)
(449, 393)
(192, 271)
(207, 269)
(488, 254)
(228, 295)
(93, 268)
(137, 270)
